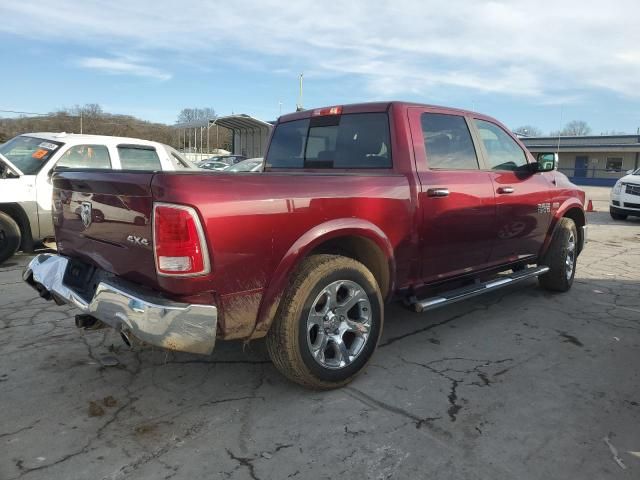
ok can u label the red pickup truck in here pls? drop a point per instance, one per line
(357, 205)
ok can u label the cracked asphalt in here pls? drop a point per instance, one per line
(519, 383)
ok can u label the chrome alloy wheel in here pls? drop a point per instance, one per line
(571, 255)
(338, 324)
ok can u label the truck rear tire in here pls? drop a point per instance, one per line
(328, 323)
(561, 257)
(10, 237)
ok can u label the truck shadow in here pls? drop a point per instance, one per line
(603, 218)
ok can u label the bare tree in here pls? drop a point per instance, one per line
(576, 128)
(189, 115)
(95, 121)
(528, 131)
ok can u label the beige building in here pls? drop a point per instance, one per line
(591, 160)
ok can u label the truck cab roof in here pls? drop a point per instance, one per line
(368, 107)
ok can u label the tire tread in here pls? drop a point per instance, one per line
(282, 339)
(556, 279)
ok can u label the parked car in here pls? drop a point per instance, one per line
(233, 159)
(625, 196)
(213, 165)
(250, 165)
(357, 205)
(27, 162)
(216, 158)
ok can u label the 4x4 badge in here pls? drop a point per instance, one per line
(85, 214)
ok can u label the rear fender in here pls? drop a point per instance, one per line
(305, 245)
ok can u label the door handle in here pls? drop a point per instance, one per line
(438, 192)
(506, 190)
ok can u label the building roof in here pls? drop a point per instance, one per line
(242, 122)
(588, 143)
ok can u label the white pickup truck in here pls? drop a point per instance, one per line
(28, 161)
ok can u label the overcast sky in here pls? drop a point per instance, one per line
(525, 62)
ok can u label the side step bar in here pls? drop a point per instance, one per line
(459, 294)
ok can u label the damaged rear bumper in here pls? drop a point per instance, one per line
(130, 310)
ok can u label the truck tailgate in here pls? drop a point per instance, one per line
(104, 219)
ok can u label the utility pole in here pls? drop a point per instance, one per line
(80, 122)
(299, 106)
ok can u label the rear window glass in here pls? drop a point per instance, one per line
(85, 156)
(134, 157)
(337, 141)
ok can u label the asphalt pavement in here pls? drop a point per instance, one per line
(517, 384)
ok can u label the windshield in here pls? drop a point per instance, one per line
(29, 154)
(245, 166)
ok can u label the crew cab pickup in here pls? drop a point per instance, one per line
(356, 205)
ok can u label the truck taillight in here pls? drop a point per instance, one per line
(180, 247)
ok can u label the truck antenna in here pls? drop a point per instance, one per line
(299, 106)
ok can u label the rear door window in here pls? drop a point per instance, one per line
(85, 156)
(337, 141)
(138, 157)
(448, 142)
(503, 153)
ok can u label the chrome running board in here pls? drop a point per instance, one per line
(463, 293)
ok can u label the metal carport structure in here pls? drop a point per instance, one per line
(249, 135)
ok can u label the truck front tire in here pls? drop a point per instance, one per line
(9, 237)
(561, 257)
(328, 324)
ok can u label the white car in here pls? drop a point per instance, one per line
(625, 196)
(250, 165)
(28, 161)
(214, 165)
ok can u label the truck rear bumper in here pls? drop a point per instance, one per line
(151, 319)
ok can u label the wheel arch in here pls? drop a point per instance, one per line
(576, 214)
(358, 239)
(571, 209)
(15, 211)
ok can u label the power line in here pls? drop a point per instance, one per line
(23, 113)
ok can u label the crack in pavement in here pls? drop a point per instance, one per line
(20, 430)
(247, 462)
(376, 403)
(392, 340)
(452, 397)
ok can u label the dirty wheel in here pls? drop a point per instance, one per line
(617, 216)
(328, 324)
(9, 237)
(561, 257)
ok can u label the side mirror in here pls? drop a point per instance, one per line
(546, 162)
